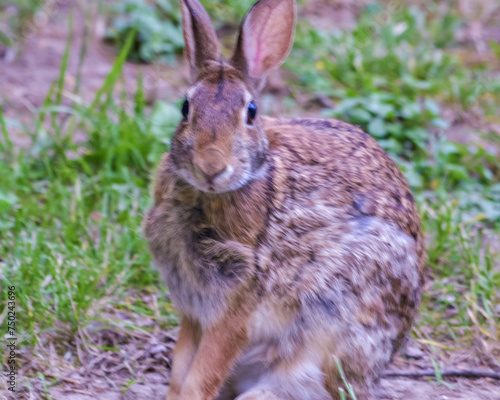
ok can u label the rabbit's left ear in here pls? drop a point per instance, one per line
(200, 41)
(266, 37)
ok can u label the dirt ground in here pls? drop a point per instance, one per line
(391, 389)
(140, 369)
(26, 75)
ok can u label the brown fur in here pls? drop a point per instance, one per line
(184, 352)
(306, 247)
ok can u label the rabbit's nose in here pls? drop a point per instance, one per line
(211, 177)
(210, 165)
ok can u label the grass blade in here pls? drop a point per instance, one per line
(62, 74)
(347, 385)
(64, 61)
(496, 48)
(110, 81)
(7, 143)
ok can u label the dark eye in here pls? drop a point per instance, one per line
(185, 109)
(252, 112)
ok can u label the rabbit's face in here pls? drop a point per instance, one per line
(219, 146)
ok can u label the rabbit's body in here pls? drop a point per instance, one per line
(323, 255)
(285, 244)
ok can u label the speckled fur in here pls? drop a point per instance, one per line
(317, 252)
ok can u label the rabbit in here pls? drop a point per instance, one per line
(289, 246)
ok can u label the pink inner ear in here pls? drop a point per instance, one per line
(267, 36)
(256, 61)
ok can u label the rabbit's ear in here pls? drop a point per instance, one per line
(266, 37)
(200, 41)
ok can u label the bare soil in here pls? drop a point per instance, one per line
(391, 389)
(138, 367)
(28, 69)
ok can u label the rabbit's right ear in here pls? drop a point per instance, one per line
(200, 40)
(266, 38)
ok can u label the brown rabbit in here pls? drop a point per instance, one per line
(286, 244)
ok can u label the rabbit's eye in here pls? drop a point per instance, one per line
(252, 112)
(185, 109)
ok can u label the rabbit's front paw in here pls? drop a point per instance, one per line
(193, 392)
(192, 396)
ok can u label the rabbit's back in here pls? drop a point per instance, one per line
(342, 244)
(341, 162)
(332, 188)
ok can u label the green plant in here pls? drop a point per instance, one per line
(159, 34)
(70, 213)
(389, 76)
(465, 276)
(398, 123)
(227, 11)
(467, 173)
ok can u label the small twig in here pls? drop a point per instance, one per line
(460, 373)
(83, 392)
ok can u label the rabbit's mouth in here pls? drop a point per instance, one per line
(226, 181)
(216, 182)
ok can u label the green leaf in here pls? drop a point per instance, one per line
(360, 116)
(440, 123)
(376, 128)
(410, 110)
(491, 209)
(495, 46)
(5, 40)
(432, 107)
(164, 118)
(7, 201)
(457, 172)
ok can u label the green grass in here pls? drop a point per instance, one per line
(390, 78)
(71, 211)
(158, 26)
(394, 79)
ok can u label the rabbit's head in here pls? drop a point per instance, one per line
(220, 145)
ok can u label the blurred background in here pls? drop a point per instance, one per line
(90, 94)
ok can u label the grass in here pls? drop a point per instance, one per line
(158, 26)
(71, 210)
(347, 385)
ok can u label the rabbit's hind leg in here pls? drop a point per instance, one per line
(302, 381)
